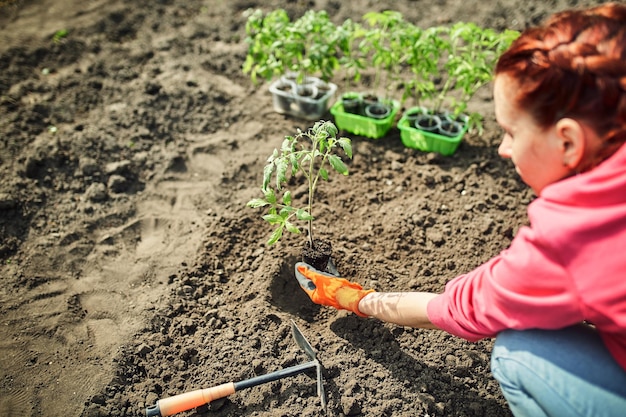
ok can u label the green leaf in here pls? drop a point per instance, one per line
(270, 196)
(287, 198)
(324, 174)
(286, 146)
(286, 211)
(59, 35)
(268, 170)
(338, 164)
(323, 144)
(273, 219)
(302, 214)
(276, 235)
(292, 228)
(307, 158)
(330, 129)
(257, 202)
(346, 145)
(293, 161)
(281, 172)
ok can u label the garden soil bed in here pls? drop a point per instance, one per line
(131, 268)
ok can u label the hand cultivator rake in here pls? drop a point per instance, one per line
(187, 401)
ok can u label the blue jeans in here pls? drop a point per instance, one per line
(567, 372)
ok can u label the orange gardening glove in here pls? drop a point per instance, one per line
(328, 290)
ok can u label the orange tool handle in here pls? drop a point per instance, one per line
(189, 400)
(183, 402)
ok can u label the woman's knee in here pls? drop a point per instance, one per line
(506, 357)
(545, 372)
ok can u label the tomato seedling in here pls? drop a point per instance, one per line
(312, 153)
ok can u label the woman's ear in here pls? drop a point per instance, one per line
(572, 139)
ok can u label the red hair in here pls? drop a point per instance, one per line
(574, 65)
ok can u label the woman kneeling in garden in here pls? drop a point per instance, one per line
(556, 298)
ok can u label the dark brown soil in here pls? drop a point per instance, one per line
(131, 268)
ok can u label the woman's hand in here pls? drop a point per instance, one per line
(329, 290)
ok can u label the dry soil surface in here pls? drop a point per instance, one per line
(131, 268)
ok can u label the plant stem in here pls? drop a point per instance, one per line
(310, 224)
(313, 179)
(312, 183)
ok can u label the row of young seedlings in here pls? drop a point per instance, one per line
(439, 68)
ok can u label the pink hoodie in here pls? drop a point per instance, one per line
(568, 266)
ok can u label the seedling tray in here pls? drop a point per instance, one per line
(286, 102)
(428, 141)
(362, 125)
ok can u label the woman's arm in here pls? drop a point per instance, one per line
(401, 308)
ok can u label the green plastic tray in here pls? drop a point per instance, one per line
(361, 125)
(428, 141)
